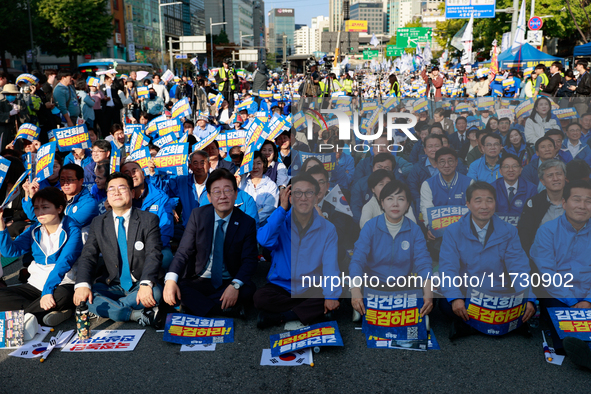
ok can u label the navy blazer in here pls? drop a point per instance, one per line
(144, 248)
(240, 245)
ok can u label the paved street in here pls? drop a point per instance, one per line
(473, 364)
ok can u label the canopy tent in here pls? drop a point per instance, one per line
(526, 56)
(582, 50)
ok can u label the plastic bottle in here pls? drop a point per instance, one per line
(82, 321)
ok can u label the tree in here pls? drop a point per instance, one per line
(84, 26)
(271, 61)
(14, 30)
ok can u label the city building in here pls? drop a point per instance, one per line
(370, 11)
(239, 18)
(335, 9)
(281, 23)
(400, 13)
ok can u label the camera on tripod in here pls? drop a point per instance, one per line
(328, 60)
(310, 62)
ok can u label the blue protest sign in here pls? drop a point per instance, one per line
(441, 217)
(321, 334)
(430, 343)
(45, 160)
(28, 131)
(4, 164)
(172, 159)
(495, 314)
(72, 137)
(572, 322)
(193, 330)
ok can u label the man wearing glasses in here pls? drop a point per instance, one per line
(512, 190)
(82, 207)
(213, 265)
(302, 245)
(487, 167)
(101, 150)
(129, 241)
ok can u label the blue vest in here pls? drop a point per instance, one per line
(455, 194)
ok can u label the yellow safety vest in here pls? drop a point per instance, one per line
(230, 78)
(348, 85)
(392, 89)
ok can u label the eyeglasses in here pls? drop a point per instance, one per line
(515, 167)
(66, 181)
(446, 163)
(122, 189)
(96, 151)
(492, 145)
(217, 193)
(299, 193)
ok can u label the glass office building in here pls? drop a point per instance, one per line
(281, 22)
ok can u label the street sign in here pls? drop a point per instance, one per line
(248, 55)
(180, 56)
(409, 37)
(192, 44)
(393, 50)
(535, 37)
(369, 54)
(535, 23)
(464, 9)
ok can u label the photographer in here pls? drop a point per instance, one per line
(183, 90)
(259, 81)
(311, 86)
(434, 82)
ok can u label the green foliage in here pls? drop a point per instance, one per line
(82, 26)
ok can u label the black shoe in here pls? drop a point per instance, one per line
(266, 320)
(460, 329)
(236, 311)
(148, 317)
(578, 351)
(524, 331)
(329, 316)
(23, 275)
(2, 283)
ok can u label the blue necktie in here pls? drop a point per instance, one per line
(511, 193)
(217, 264)
(125, 277)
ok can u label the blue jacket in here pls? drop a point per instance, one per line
(158, 203)
(314, 255)
(376, 253)
(243, 201)
(86, 161)
(66, 100)
(530, 171)
(559, 249)
(479, 171)
(343, 173)
(82, 209)
(525, 191)
(584, 152)
(462, 253)
(365, 167)
(100, 196)
(455, 194)
(419, 174)
(183, 187)
(70, 249)
(417, 150)
(89, 175)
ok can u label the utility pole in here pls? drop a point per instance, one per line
(284, 37)
(514, 19)
(170, 54)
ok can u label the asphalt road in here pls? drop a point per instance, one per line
(472, 364)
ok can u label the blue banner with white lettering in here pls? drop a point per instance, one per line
(172, 159)
(430, 343)
(69, 138)
(572, 322)
(321, 334)
(441, 217)
(193, 330)
(495, 314)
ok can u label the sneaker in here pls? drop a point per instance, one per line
(55, 318)
(92, 316)
(266, 320)
(148, 317)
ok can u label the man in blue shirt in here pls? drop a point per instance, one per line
(512, 190)
(562, 247)
(289, 295)
(487, 167)
(479, 244)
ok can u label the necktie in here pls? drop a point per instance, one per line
(125, 277)
(217, 263)
(511, 193)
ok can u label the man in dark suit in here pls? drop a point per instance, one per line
(555, 79)
(129, 240)
(211, 271)
(458, 139)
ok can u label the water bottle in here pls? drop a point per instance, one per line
(82, 321)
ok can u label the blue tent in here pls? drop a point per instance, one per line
(582, 50)
(526, 56)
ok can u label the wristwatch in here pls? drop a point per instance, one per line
(236, 285)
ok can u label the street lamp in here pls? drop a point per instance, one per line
(211, 25)
(242, 36)
(160, 5)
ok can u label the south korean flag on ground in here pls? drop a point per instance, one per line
(299, 357)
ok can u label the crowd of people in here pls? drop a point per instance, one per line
(137, 244)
